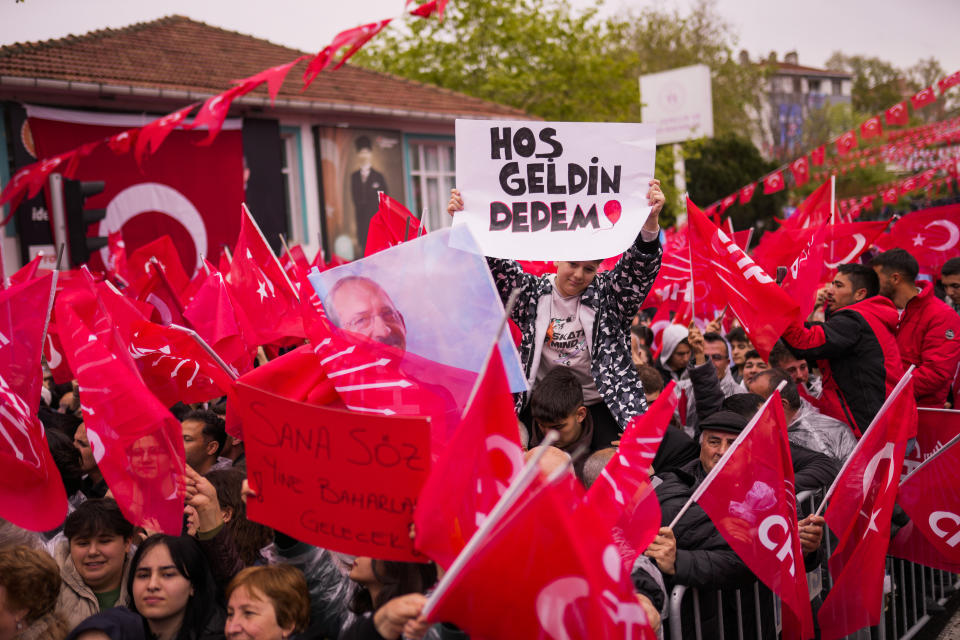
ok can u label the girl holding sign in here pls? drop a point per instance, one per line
(579, 318)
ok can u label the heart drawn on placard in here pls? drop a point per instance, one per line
(612, 210)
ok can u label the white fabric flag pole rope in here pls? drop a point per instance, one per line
(726, 456)
(883, 409)
(506, 501)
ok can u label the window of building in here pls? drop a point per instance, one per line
(432, 175)
(293, 185)
(814, 85)
(798, 85)
(837, 87)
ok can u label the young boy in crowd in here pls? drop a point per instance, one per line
(579, 319)
(556, 404)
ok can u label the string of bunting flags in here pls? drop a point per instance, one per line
(146, 140)
(902, 143)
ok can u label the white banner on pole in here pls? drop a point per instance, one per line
(553, 190)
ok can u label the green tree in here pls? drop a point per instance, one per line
(537, 55)
(719, 166)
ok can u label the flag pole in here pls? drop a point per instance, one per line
(723, 460)
(249, 215)
(506, 501)
(228, 369)
(46, 319)
(886, 405)
(933, 456)
(286, 248)
(203, 264)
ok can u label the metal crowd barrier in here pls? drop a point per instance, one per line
(910, 591)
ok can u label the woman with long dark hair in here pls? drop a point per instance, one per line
(390, 594)
(171, 587)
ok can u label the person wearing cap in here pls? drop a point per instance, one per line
(694, 553)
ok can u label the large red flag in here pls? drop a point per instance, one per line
(390, 225)
(221, 323)
(27, 272)
(931, 497)
(804, 275)
(165, 252)
(859, 512)
(846, 242)
(752, 502)
(814, 210)
(137, 443)
(480, 461)
(565, 577)
(762, 307)
(31, 491)
(932, 236)
(623, 493)
(260, 286)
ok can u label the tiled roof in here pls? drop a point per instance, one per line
(178, 53)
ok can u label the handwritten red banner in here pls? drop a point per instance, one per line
(336, 479)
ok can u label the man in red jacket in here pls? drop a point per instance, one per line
(855, 348)
(928, 333)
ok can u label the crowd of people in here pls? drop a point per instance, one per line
(592, 363)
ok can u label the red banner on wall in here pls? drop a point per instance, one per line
(336, 479)
(191, 193)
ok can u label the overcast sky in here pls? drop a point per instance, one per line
(898, 31)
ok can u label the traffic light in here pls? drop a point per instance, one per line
(71, 219)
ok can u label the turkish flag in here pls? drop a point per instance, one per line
(949, 81)
(891, 195)
(897, 114)
(27, 272)
(814, 211)
(871, 128)
(762, 307)
(846, 242)
(564, 574)
(222, 324)
(931, 497)
(214, 111)
(481, 460)
(922, 98)
(801, 171)
(171, 196)
(31, 179)
(746, 193)
(427, 9)
(390, 225)
(751, 500)
(353, 38)
(152, 135)
(728, 202)
(163, 250)
(156, 291)
(137, 443)
(259, 285)
(274, 77)
(622, 492)
(859, 512)
(932, 236)
(121, 143)
(31, 491)
(817, 155)
(846, 143)
(773, 182)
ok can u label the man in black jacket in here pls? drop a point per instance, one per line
(695, 554)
